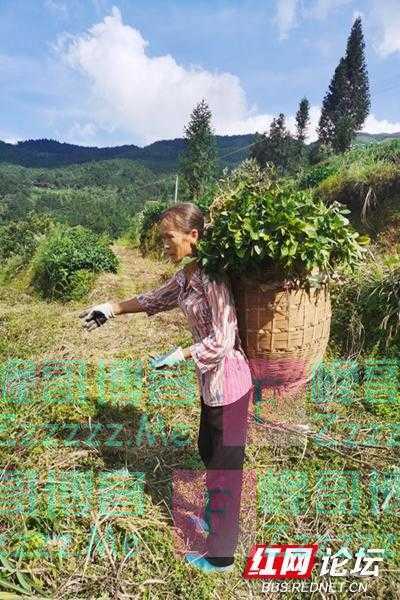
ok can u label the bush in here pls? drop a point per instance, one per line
(352, 185)
(64, 261)
(22, 237)
(205, 200)
(313, 176)
(367, 308)
(81, 283)
(149, 237)
(10, 268)
(371, 193)
(357, 160)
(261, 225)
(132, 234)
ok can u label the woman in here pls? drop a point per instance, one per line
(222, 370)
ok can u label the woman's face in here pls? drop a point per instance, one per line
(177, 244)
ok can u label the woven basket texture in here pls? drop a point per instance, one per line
(284, 332)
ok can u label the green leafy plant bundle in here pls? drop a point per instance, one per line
(266, 227)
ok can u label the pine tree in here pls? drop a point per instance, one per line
(347, 102)
(199, 161)
(302, 119)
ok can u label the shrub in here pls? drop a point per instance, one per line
(150, 239)
(313, 176)
(260, 225)
(22, 237)
(150, 214)
(132, 233)
(81, 283)
(206, 199)
(10, 268)
(352, 185)
(64, 260)
(370, 192)
(367, 307)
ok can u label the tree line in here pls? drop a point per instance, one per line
(345, 107)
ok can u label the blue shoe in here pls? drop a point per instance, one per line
(200, 562)
(201, 524)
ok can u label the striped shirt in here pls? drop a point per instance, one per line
(222, 367)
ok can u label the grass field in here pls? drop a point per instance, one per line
(338, 487)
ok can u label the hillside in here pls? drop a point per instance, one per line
(161, 156)
(86, 409)
(91, 436)
(367, 180)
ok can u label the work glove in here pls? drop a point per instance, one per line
(97, 315)
(167, 360)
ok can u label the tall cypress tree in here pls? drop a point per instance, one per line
(302, 122)
(358, 96)
(302, 119)
(199, 161)
(333, 104)
(346, 104)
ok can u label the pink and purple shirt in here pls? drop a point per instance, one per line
(222, 367)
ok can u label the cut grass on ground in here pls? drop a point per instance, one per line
(102, 433)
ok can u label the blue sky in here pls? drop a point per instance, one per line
(109, 72)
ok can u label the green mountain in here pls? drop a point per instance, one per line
(161, 156)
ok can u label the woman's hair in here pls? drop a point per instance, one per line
(185, 217)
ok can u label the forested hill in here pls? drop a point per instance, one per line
(159, 156)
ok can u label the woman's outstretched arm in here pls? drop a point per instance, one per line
(152, 302)
(127, 306)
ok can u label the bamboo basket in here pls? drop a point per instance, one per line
(284, 331)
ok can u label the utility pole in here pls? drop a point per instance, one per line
(176, 188)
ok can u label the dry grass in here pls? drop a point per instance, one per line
(33, 329)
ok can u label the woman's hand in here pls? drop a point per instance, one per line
(97, 315)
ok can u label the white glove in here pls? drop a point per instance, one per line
(167, 360)
(97, 315)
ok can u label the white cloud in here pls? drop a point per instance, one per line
(374, 125)
(285, 17)
(9, 139)
(150, 97)
(147, 98)
(290, 12)
(386, 16)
